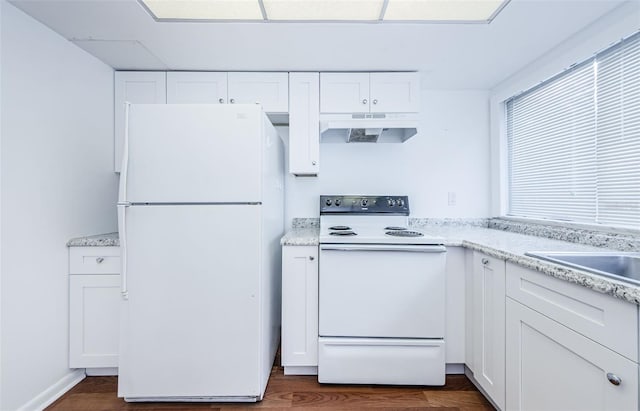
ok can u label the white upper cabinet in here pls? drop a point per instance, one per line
(344, 92)
(369, 92)
(271, 90)
(146, 87)
(394, 92)
(304, 132)
(196, 88)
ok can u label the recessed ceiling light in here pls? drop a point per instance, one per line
(204, 9)
(481, 11)
(323, 10)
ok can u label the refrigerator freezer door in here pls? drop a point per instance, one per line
(190, 326)
(194, 153)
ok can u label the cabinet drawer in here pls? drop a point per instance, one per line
(600, 317)
(94, 260)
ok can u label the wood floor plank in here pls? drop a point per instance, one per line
(361, 399)
(457, 399)
(287, 393)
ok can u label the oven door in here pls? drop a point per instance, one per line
(388, 291)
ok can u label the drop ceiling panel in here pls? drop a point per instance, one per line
(448, 55)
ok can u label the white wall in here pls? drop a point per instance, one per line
(450, 153)
(56, 183)
(620, 23)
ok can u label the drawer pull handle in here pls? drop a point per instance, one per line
(99, 260)
(485, 261)
(614, 379)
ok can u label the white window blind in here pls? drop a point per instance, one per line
(574, 142)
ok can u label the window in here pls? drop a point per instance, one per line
(574, 142)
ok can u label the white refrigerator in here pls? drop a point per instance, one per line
(200, 215)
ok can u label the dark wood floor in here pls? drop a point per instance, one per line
(293, 392)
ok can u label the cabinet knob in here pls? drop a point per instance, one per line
(614, 379)
(375, 101)
(311, 258)
(313, 163)
(364, 101)
(232, 101)
(485, 261)
(221, 100)
(99, 260)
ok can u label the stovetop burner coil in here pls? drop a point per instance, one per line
(340, 228)
(404, 233)
(395, 228)
(343, 233)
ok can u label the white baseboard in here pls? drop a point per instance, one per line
(55, 391)
(300, 370)
(454, 369)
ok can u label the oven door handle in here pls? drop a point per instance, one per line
(385, 247)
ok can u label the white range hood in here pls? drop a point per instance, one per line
(368, 128)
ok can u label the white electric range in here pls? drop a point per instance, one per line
(381, 294)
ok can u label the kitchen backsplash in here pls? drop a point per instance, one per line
(456, 222)
(597, 238)
(305, 223)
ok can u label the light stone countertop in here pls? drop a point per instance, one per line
(507, 246)
(100, 240)
(300, 236)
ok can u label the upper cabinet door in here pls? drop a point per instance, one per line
(271, 90)
(146, 87)
(304, 133)
(196, 88)
(344, 92)
(395, 92)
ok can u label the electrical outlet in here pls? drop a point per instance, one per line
(451, 198)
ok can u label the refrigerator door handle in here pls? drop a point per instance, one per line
(122, 229)
(125, 156)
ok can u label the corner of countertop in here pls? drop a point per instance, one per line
(98, 240)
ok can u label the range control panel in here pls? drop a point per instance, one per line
(336, 204)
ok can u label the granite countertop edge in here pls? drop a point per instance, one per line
(99, 240)
(309, 236)
(617, 289)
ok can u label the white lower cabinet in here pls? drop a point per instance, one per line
(551, 367)
(489, 326)
(300, 310)
(94, 315)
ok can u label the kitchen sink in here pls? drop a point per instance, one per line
(617, 265)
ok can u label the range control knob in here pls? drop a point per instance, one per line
(364, 202)
(391, 202)
(328, 202)
(337, 202)
(400, 202)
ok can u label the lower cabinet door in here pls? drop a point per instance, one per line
(488, 327)
(94, 320)
(551, 367)
(300, 309)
